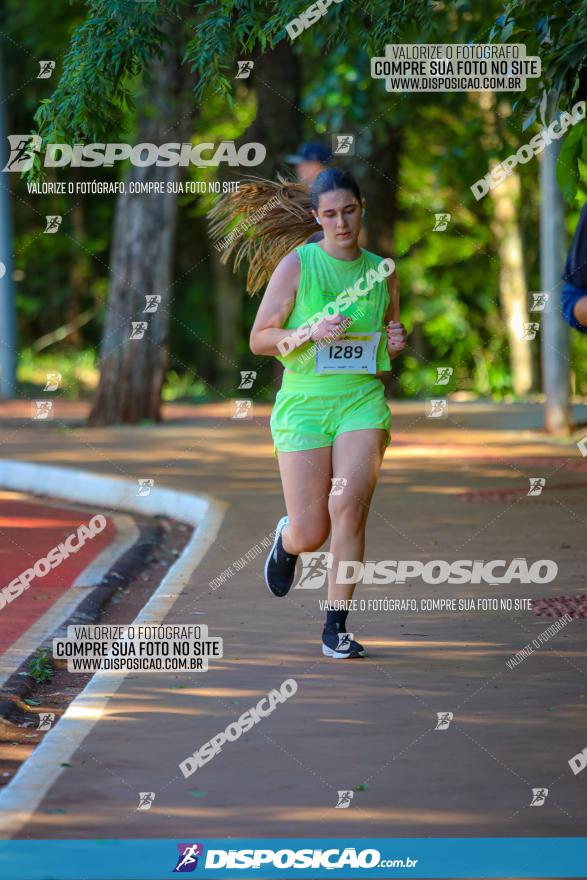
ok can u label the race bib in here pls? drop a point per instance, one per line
(351, 353)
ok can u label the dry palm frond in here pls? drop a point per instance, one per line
(260, 224)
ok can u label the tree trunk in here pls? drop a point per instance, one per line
(554, 333)
(228, 299)
(132, 370)
(79, 268)
(513, 294)
(506, 232)
(381, 188)
(278, 125)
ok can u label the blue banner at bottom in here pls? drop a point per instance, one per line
(264, 857)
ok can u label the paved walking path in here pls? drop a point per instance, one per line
(367, 726)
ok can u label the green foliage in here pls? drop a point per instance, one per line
(116, 43)
(41, 667)
(557, 32)
(449, 280)
(183, 386)
(571, 166)
(237, 28)
(78, 369)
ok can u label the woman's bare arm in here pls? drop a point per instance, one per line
(276, 306)
(268, 334)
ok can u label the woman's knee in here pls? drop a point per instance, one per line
(307, 535)
(347, 513)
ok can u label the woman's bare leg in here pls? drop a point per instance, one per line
(356, 458)
(306, 480)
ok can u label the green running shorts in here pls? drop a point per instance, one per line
(310, 412)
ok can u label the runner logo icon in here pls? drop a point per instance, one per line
(344, 799)
(314, 570)
(23, 149)
(187, 861)
(444, 719)
(46, 719)
(344, 641)
(539, 795)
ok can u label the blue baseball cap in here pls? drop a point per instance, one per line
(311, 153)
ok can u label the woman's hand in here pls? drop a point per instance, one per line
(396, 338)
(330, 328)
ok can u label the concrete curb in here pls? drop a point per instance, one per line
(23, 794)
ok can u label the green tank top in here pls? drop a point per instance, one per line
(322, 279)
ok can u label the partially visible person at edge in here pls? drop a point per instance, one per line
(574, 292)
(331, 422)
(310, 161)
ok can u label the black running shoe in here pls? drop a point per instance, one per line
(280, 567)
(340, 645)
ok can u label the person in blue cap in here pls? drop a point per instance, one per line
(310, 161)
(574, 293)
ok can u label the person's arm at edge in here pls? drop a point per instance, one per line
(580, 312)
(275, 307)
(391, 314)
(574, 307)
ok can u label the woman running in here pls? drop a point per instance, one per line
(330, 315)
